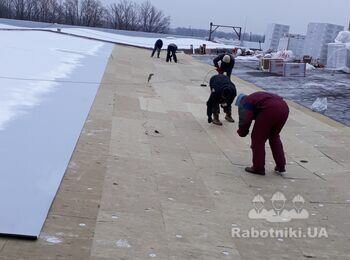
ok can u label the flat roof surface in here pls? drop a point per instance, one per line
(150, 178)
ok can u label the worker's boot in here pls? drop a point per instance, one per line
(254, 171)
(216, 119)
(280, 170)
(229, 118)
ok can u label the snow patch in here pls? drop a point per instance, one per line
(51, 239)
(309, 67)
(182, 43)
(123, 243)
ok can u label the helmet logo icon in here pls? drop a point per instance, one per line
(278, 213)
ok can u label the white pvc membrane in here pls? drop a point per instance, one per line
(41, 118)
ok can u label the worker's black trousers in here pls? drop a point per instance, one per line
(154, 51)
(171, 53)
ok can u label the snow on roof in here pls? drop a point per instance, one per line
(182, 43)
(7, 26)
(33, 54)
(252, 45)
(147, 42)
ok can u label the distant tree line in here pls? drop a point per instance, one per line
(122, 15)
(205, 34)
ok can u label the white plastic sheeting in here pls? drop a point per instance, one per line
(47, 84)
(274, 33)
(317, 37)
(320, 105)
(292, 42)
(338, 57)
(285, 55)
(309, 67)
(343, 37)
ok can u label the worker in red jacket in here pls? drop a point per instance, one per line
(270, 113)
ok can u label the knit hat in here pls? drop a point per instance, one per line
(226, 58)
(239, 99)
(227, 91)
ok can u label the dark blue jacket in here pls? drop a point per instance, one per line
(227, 67)
(223, 92)
(158, 44)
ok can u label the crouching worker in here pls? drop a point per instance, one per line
(270, 113)
(223, 92)
(171, 52)
(227, 62)
(157, 48)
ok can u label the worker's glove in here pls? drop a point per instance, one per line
(219, 70)
(210, 119)
(242, 133)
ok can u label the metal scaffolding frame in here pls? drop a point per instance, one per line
(236, 29)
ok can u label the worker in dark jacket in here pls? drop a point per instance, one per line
(157, 47)
(223, 92)
(227, 62)
(270, 113)
(171, 52)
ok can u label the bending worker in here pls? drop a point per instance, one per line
(157, 47)
(171, 52)
(270, 113)
(227, 62)
(223, 92)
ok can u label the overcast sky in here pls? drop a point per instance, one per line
(252, 14)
